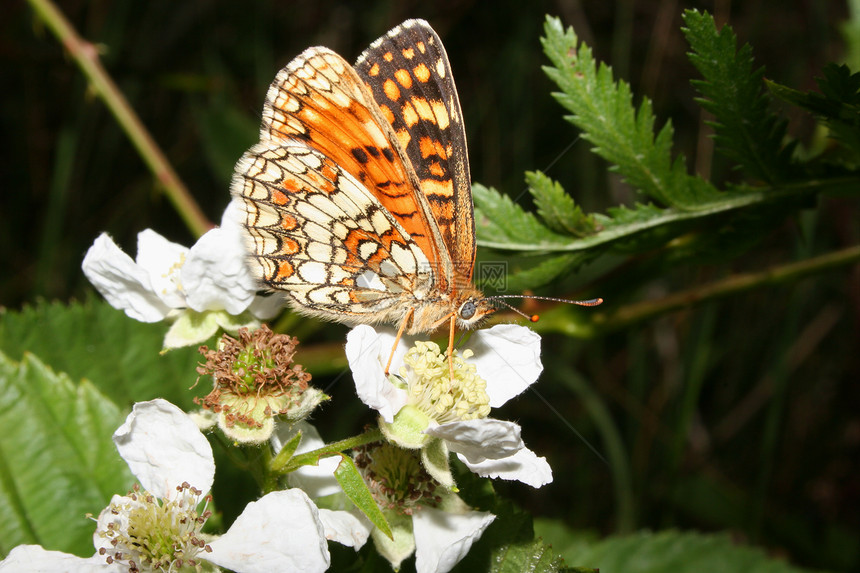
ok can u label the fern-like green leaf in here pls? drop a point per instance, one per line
(499, 219)
(744, 128)
(557, 208)
(838, 104)
(621, 134)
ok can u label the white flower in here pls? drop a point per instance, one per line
(423, 409)
(201, 288)
(174, 463)
(438, 536)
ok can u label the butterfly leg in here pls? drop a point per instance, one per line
(451, 333)
(403, 324)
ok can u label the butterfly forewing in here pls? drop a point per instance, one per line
(318, 97)
(409, 75)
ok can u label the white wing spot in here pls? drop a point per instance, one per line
(312, 272)
(370, 280)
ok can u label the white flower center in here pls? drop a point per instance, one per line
(149, 534)
(434, 392)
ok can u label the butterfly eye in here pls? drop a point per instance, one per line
(468, 309)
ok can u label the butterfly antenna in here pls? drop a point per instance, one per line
(535, 317)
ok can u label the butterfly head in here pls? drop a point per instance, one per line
(472, 310)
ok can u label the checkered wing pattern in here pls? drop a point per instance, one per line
(357, 198)
(319, 98)
(408, 73)
(318, 233)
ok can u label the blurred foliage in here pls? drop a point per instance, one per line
(736, 416)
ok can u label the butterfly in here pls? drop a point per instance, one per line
(357, 199)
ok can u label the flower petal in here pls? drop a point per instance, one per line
(37, 559)
(123, 283)
(507, 356)
(367, 352)
(162, 259)
(107, 519)
(164, 448)
(316, 481)
(348, 528)
(280, 532)
(523, 466)
(442, 539)
(479, 440)
(214, 275)
(265, 307)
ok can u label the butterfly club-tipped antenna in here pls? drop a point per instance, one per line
(534, 317)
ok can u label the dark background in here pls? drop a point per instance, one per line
(765, 446)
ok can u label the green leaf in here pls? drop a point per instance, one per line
(57, 460)
(525, 273)
(93, 340)
(287, 452)
(535, 556)
(621, 134)
(646, 552)
(499, 219)
(557, 208)
(745, 130)
(838, 104)
(356, 490)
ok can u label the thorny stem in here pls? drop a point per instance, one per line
(86, 56)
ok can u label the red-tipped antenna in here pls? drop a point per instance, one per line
(535, 317)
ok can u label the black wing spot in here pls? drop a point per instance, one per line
(360, 155)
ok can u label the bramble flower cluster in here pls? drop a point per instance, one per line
(407, 502)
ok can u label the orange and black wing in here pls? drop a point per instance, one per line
(408, 73)
(320, 100)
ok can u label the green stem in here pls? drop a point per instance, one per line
(563, 318)
(86, 57)
(285, 466)
(622, 479)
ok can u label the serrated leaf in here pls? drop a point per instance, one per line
(621, 134)
(535, 272)
(744, 128)
(499, 219)
(678, 552)
(356, 490)
(557, 208)
(119, 355)
(58, 460)
(838, 104)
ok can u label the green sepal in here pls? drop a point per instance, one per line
(355, 488)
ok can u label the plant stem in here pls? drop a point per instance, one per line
(334, 448)
(562, 318)
(86, 56)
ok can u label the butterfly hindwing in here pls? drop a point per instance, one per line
(320, 235)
